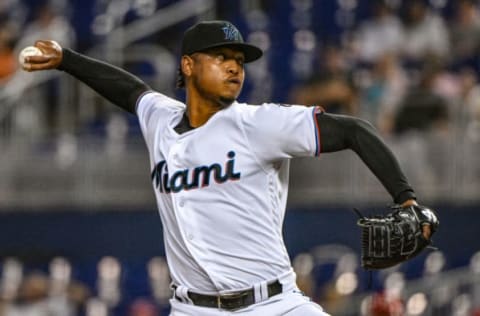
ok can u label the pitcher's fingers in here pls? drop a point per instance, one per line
(26, 67)
(427, 231)
(51, 64)
(42, 44)
(37, 59)
(48, 47)
(35, 67)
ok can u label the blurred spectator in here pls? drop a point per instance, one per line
(49, 23)
(78, 295)
(7, 58)
(447, 84)
(422, 109)
(425, 31)
(387, 87)
(331, 299)
(470, 104)
(382, 305)
(331, 86)
(13, 12)
(159, 278)
(32, 297)
(303, 266)
(426, 116)
(381, 34)
(465, 32)
(143, 307)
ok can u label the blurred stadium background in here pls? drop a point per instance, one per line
(79, 230)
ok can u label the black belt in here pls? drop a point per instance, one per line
(231, 301)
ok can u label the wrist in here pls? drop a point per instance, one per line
(65, 59)
(409, 202)
(404, 196)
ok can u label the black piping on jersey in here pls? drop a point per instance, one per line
(316, 111)
(115, 84)
(339, 132)
(184, 125)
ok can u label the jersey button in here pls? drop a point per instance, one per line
(190, 237)
(181, 203)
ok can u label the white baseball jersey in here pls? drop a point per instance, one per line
(221, 188)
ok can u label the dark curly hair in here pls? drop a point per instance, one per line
(180, 83)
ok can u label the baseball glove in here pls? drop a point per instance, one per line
(394, 238)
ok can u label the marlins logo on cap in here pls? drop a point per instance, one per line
(231, 33)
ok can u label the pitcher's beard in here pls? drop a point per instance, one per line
(220, 101)
(226, 101)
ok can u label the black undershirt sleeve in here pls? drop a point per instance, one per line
(339, 132)
(116, 85)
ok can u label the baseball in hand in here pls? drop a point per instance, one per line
(28, 51)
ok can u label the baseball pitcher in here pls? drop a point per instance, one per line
(219, 170)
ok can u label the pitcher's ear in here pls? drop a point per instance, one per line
(187, 65)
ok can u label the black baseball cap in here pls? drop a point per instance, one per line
(210, 34)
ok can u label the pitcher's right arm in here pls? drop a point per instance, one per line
(115, 84)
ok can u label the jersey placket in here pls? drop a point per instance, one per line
(182, 205)
(179, 199)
